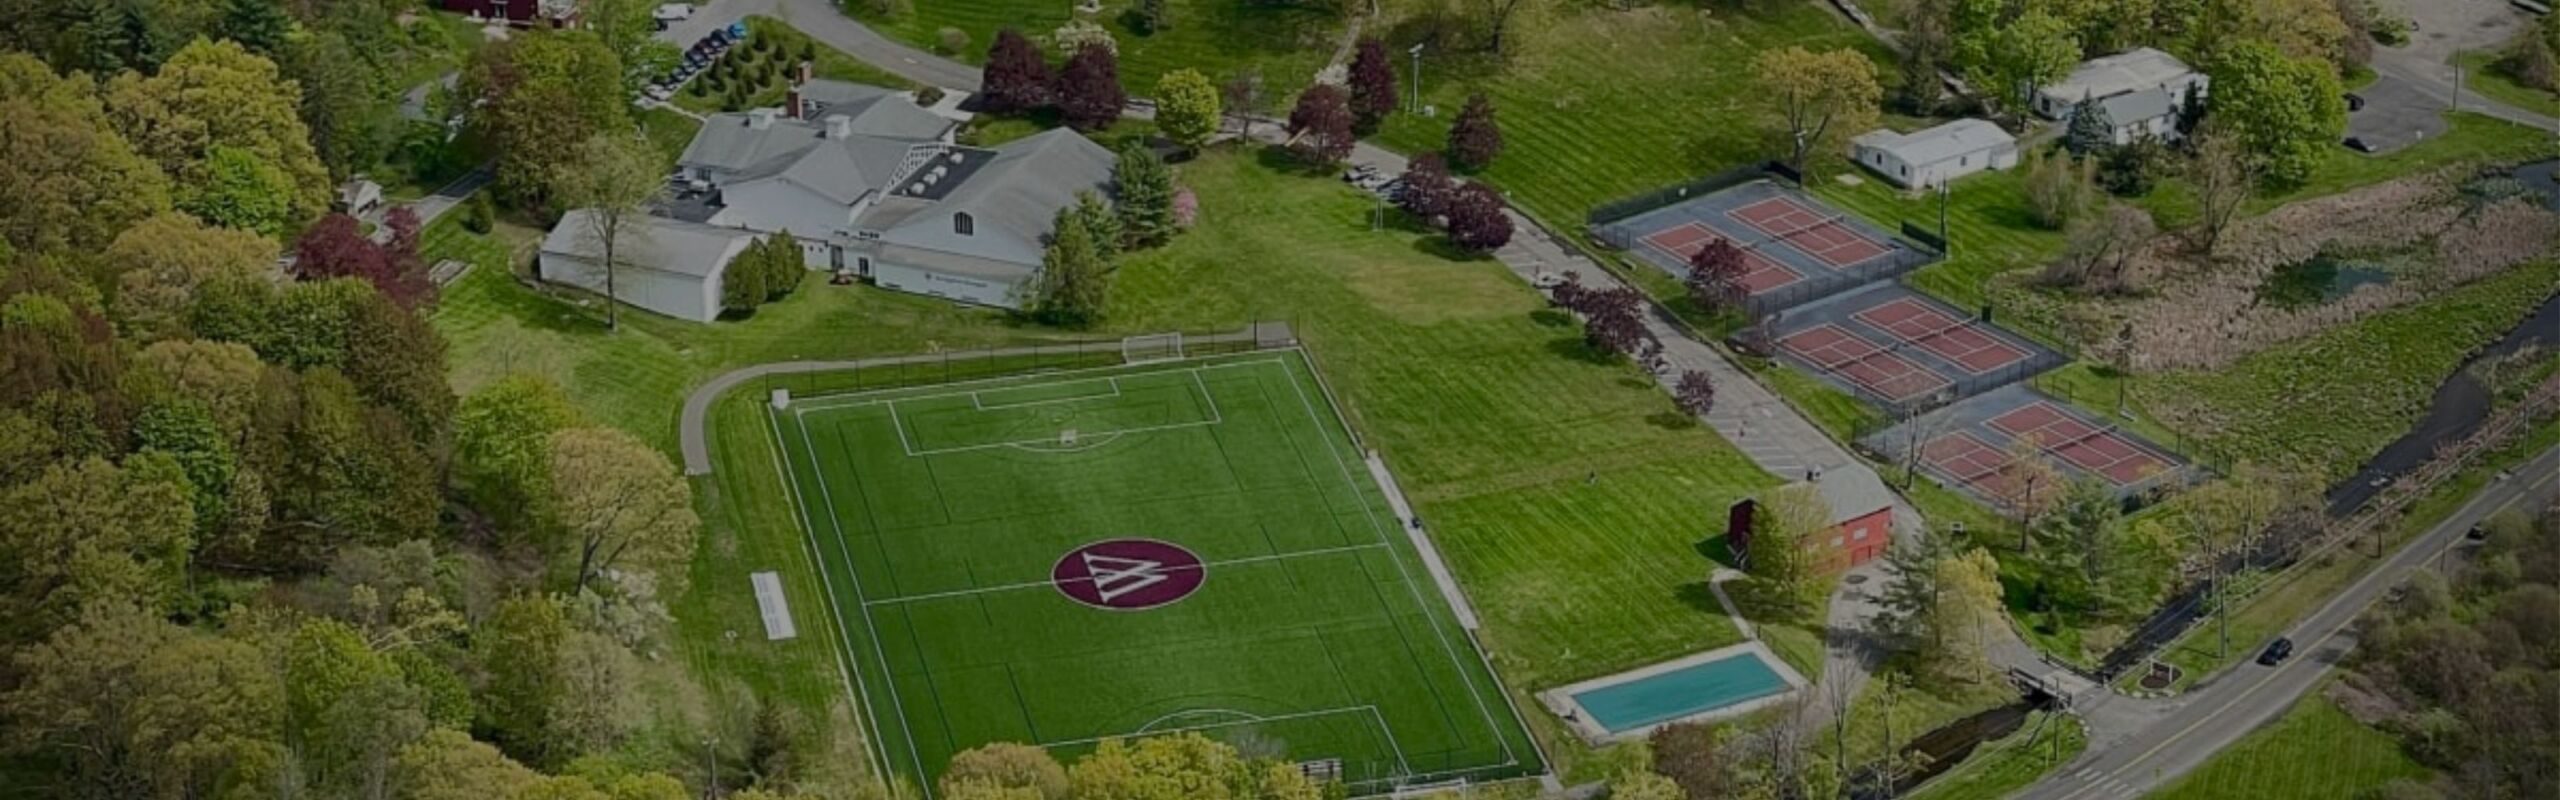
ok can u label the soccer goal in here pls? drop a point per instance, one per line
(1151, 347)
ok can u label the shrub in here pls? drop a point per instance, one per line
(2131, 170)
(928, 96)
(954, 40)
(480, 215)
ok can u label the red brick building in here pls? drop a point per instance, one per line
(558, 13)
(1861, 520)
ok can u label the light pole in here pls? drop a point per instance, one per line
(1416, 50)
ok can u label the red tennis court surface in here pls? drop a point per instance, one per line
(1685, 239)
(1835, 350)
(1969, 461)
(2086, 446)
(1942, 333)
(1827, 238)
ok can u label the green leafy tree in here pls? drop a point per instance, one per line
(162, 262)
(1187, 108)
(1007, 766)
(742, 283)
(2283, 112)
(216, 95)
(519, 649)
(1784, 529)
(354, 123)
(499, 444)
(1100, 222)
(535, 109)
(2007, 58)
(1074, 279)
(76, 700)
(448, 765)
(208, 717)
(72, 180)
(259, 25)
(232, 188)
(1642, 785)
(1966, 615)
(186, 432)
(784, 267)
(1143, 185)
(612, 178)
(1822, 98)
(350, 475)
(88, 532)
(1185, 766)
(618, 504)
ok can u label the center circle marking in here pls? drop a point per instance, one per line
(1128, 574)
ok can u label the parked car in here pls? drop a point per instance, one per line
(1548, 280)
(2356, 143)
(2477, 533)
(2277, 651)
(670, 12)
(657, 91)
(2355, 102)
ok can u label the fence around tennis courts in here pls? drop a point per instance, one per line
(1815, 279)
(1673, 195)
(1959, 387)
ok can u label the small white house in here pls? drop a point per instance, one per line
(1934, 157)
(2141, 90)
(668, 266)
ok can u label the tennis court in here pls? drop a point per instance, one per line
(1827, 237)
(1983, 446)
(1798, 249)
(1959, 340)
(1682, 243)
(1835, 352)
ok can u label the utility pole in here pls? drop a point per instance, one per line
(2457, 87)
(1417, 77)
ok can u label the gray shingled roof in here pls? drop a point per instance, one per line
(875, 111)
(2126, 109)
(2129, 71)
(1940, 143)
(684, 248)
(1012, 199)
(1853, 493)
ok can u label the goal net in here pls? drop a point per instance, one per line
(1151, 347)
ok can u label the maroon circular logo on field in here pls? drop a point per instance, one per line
(1128, 574)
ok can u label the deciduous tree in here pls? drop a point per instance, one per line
(1187, 108)
(1373, 84)
(2224, 178)
(1479, 220)
(1010, 766)
(1822, 98)
(1475, 140)
(164, 260)
(2007, 58)
(500, 443)
(1696, 393)
(1428, 189)
(611, 179)
(212, 96)
(1089, 93)
(72, 180)
(337, 247)
(92, 531)
(1716, 270)
(1784, 528)
(1320, 126)
(535, 109)
(1016, 78)
(2283, 112)
(618, 505)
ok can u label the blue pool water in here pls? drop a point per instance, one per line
(1738, 678)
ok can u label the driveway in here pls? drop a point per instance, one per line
(2397, 113)
(2447, 28)
(823, 22)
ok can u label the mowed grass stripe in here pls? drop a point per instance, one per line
(1023, 663)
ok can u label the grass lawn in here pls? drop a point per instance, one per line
(1990, 233)
(1838, 413)
(789, 42)
(1568, 494)
(1218, 37)
(2472, 139)
(2481, 74)
(950, 521)
(2010, 764)
(668, 130)
(1597, 104)
(2334, 399)
(2313, 752)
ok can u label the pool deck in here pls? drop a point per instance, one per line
(1560, 700)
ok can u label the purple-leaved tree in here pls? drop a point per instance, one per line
(1320, 126)
(1016, 79)
(1089, 93)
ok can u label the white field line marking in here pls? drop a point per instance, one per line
(896, 420)
(855, 688)
(821, 402)
(888, 674)
(1042, 584)
(978, 400)
(1144, 732)
(1369, 509)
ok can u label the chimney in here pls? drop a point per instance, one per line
(791, 102)
(806, 72)
(839, 126)
(760, 119)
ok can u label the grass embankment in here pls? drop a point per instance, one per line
(1568, 494)
(2472, 139)
(2314, 752)
(1597, 104)
(2481, 73)
(2007, 765)
(1288, 43)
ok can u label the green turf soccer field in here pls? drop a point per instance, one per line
(1186, 545)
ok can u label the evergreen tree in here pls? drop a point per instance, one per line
(2092, 128)
(1143, 184)
(1373, 85)
(1100, 222)
(1074, 277)
(1016, 79)
(1476, 139)
(742, 284)
(1153, 17)
(783, 265)
(1089, 93)
(259, 25)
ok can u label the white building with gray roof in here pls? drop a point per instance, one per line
(669, 266)
(874, 186)
(2140, 89)
(1936, 156)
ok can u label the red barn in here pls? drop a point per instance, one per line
(1861, 520)
(518, 12)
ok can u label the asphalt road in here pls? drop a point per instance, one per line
(2214, 716)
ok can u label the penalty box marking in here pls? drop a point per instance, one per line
(906, 443)
(1149, 729)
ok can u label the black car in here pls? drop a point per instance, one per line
(2277, 651)
(2355, 102)
(2477, 533)
(2357, 144)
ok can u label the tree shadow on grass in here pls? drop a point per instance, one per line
(1279, 159)
(1551, 318)
(1672, 420)
(1579, 349)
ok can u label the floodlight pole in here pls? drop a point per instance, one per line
(1416, 50)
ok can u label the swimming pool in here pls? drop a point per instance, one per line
(1738, 678)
